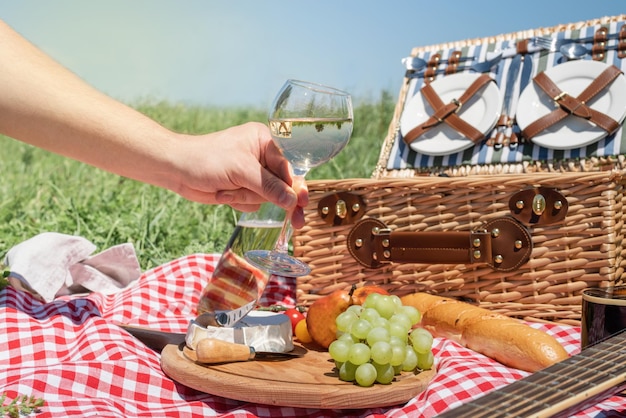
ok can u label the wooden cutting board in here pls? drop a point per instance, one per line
(309, 381)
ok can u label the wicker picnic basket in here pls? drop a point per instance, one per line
(575, 240)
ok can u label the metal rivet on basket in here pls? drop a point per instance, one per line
(477, 254)
(518, 244)
(519, 204)
(558, 205)
(356, 207)
(325, 210)
(375, 230)
(358, 243)
(495, 232)
(476, 242)
(374, 256)
(387, 254)
(341, 209)
(539, 204)
(385, 243)
(498, 259)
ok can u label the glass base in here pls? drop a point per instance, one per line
(277, 263)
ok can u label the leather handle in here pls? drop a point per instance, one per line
(503, 244)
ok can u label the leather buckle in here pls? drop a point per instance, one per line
(559, 97)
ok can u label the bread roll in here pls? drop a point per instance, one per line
(513, 344)
(506, 340)
(450, 319)
(423, 302)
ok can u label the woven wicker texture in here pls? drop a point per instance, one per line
(584, 250)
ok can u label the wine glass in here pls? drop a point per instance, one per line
(310, 123)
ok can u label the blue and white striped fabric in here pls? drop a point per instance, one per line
(402, 157)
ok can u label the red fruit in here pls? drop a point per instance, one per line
(295, 316)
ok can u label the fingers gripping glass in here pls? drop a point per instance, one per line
(310, 123)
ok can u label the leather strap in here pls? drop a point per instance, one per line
(453, 62)
(598, 49)
(431, 68)
(522, 46)
(621, 45)
(575, 106)
(502, 243)
(447, 113)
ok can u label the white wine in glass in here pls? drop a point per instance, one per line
(310, 123)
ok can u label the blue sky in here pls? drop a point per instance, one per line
(239, 52)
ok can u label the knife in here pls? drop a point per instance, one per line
(208, 350)
(152, 338)
(212, 350)
(224, 318)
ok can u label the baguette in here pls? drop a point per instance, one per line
(504, 339)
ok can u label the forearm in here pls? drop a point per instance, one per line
(44, 104)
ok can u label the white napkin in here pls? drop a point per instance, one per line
(53, 264)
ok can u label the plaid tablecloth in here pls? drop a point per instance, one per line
(71, 353)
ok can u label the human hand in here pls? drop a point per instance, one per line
(240, 167)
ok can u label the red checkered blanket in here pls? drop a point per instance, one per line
(71, 353)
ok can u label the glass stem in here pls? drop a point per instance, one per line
(282, 243)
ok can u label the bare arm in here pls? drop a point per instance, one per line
(44, 104)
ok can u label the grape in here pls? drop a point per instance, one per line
(414, 315)
(381, 322)
(401, 319)
(371, 300)
(381, 352)
(339, 350)
(365, 374)
(347, 337)
(425, 361)
(398, 330)
(384, 373)
(410, 361)
(385, 306)
(356, 309)
(360, 328)
(398, 354)
(397, 302)
(344, 320)
(394, 340)
(422, 340)
(347, 371)
(370, 315)
(359, 354)
(377, 334)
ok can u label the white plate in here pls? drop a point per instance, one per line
(481, 111)
(572, 132)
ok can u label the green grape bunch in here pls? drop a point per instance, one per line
(379, 340)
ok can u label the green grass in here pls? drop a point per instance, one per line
(45, 192)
